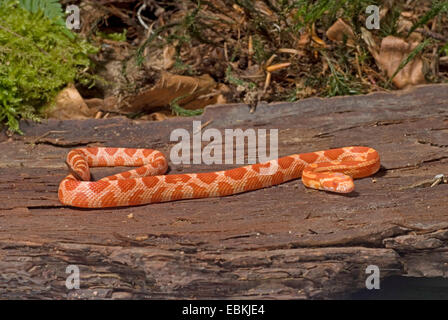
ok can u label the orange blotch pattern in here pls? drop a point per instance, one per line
(130, 152)
(236, 174)
(159, 163)
(77, 159)
(158, 195)
(277, 178)
(150, 182)
(109, 200)
(71, 185)
(334, 154)
(147, 152)
(102, 162)
(253, 183)
(138, 162)
(285, 162)
(126, 185)
(177, 193)
(111, 151)
(207, 177)
(126, 174)
(225, 188)
(257, 167)
(93, 151)
(119, 161)
(309, 157)
(71, 155)
(141, 171)
(199, 192)
(98, 186)
(358, 149)
(136, 198)
(81, 200)
(175, 178)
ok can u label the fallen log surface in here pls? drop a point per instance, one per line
(280, 242)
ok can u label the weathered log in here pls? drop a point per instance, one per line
(280, 242)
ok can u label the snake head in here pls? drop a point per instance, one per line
(338, 182)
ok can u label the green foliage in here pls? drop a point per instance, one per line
(436, 8)
(261, 55)
(179, 111)
(232, 79)
(340, 83)
(389, 23)
(115, 36)
(418, 49)
(444, 49)
(326, 11)
(50, 8)
(37, 60)
(139, 53)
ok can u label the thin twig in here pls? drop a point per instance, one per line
(143, 7)
(432, 34)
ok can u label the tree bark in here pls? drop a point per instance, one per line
(280, 242)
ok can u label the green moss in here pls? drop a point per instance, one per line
(37, 59)
(115, 36)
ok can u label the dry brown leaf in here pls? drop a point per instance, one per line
(70, 105)
(169, 59)
(196, 91)
(111, 104)
(404, 24)
(339, 30)
(372, 44)
(393, 51)
(216, 96)
(94, 103)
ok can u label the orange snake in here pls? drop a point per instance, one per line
(330, 170)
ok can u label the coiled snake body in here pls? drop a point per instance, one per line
(329, 170)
